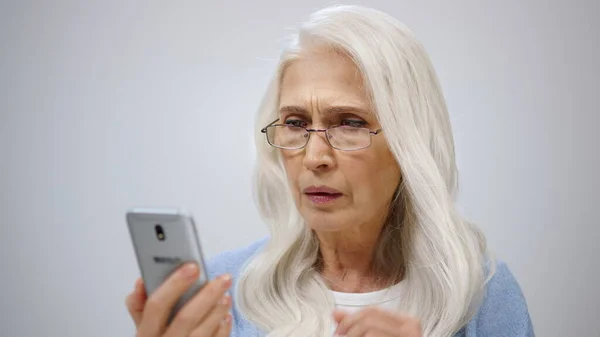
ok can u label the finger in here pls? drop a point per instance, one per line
(358, 331)
(195, 311)
(381, 328)
(339, 315)
(361, 330)
(160, 303)
(345, 321)
(225, 327)
(135, 302)
(218, 316)
(411, 327)
(369, 319)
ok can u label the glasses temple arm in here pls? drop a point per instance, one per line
(263, 130)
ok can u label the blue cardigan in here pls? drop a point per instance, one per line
(503, 312)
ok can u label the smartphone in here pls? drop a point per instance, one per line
(164, 239)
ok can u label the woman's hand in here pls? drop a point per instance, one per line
(376, 322)
(206, 314)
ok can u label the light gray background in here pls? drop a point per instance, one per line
(110, 104)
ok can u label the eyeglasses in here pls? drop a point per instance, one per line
(340, 137)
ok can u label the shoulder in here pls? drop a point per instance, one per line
(232, 262)
(504, 310)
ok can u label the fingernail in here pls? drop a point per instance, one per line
(226, 281)
(190, 270)
(224, 300)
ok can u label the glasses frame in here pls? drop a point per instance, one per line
(310, 131)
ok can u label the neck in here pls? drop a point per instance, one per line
(347, 260)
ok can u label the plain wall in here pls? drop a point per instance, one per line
(106, 105)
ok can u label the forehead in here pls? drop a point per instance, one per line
(325, 78)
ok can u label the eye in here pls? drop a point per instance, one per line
(295, 122)
(353, 123)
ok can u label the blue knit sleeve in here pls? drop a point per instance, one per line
(504, 309)
(232, 262)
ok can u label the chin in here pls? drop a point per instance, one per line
(325, 221)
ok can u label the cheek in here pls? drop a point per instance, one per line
(373, 181)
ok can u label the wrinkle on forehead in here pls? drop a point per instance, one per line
(319, 79)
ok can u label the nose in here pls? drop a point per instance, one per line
(318, 154)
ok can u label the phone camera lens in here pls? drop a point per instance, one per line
(160, 233)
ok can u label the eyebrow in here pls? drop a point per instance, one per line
(330, 110)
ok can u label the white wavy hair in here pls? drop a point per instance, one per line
(443, 258)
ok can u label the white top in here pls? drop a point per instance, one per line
(389, 298)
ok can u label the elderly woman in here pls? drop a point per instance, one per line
(356, 179)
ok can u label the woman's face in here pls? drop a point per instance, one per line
(335, 190)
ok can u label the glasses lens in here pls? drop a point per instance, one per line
(349, 138)
(287, 136)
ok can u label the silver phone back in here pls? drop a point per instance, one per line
(157, 259)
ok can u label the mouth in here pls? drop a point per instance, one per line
(322, 195)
